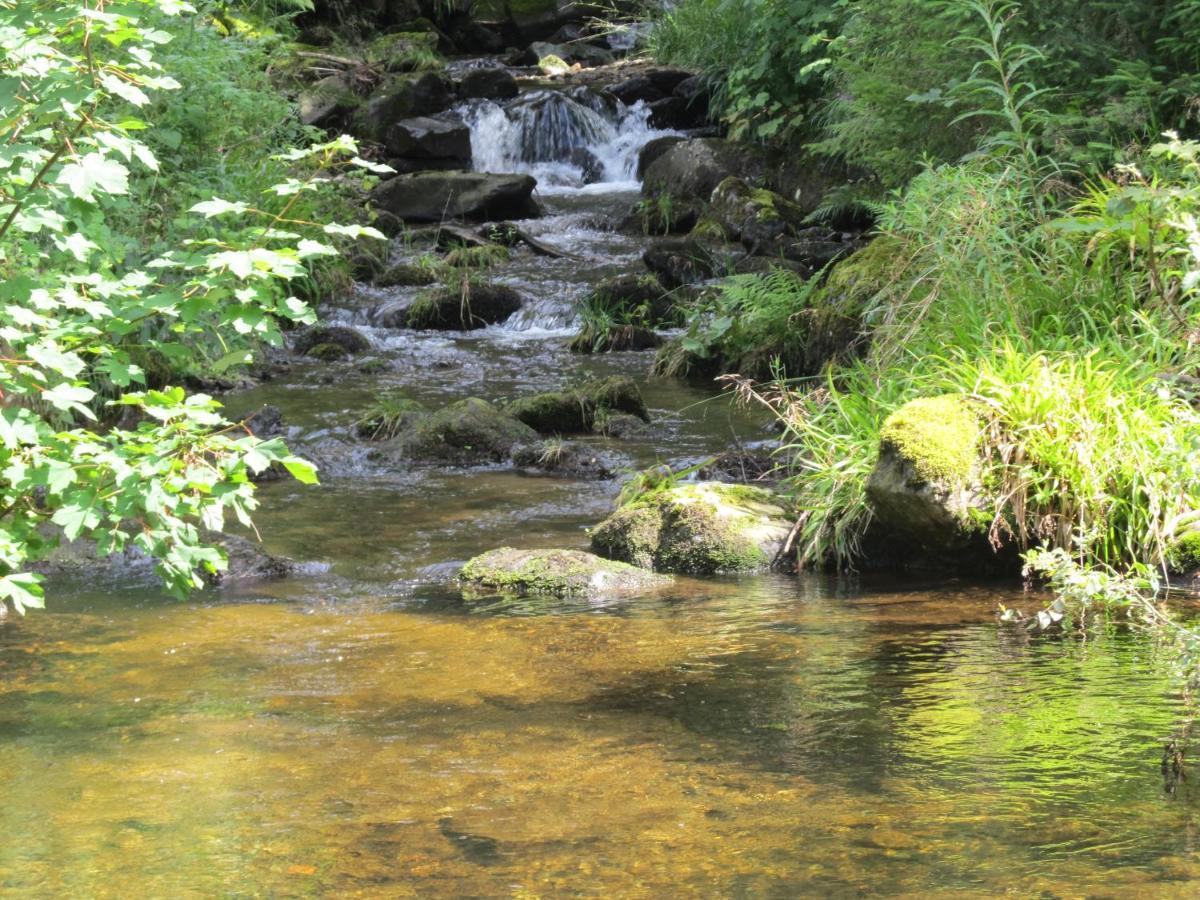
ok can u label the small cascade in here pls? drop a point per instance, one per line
(565, 139)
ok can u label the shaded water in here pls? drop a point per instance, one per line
(361, 731)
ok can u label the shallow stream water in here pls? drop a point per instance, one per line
(359, 730)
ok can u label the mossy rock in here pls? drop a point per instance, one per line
(328, 352)
(406, 275)
(1184, 555)
(405, 51)
(576, 411)
(554, 412)
(554, 573)
(469, 432)
(704, 528)
(553, 65)
(925, 490)
(738, 211)
(620, 426)
(614, 339)
(564, 458)
(319, 339)
(864, 273)
(471, 306)
(938, 436)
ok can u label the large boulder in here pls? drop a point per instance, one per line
(691, 170)
(439, 196)
(622, 313)
(443, 138)
(925, 489)
(703, 528)
(576, 411)
(469, 432)
(653, 149)
(404, 97)
(554, 573)
(536, 20)
(491, 83)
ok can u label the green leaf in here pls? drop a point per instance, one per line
(303, 471)
(92, 174)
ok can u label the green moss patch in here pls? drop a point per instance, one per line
(938, 436)
(556, 573)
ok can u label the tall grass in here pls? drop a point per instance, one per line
(1091, 446)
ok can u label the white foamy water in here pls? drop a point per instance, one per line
(569, 142)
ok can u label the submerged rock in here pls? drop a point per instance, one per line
(439, 196)
(249, 562)
(925, 489)
(469, 432)
(555, 573)
(705, 528)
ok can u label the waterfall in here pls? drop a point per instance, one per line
(566, 140)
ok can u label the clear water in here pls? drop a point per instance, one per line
(360, 731)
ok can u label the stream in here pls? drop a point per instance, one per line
(358, 729)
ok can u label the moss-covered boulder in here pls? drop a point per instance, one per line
(576, 410)
(554, 573)
(704, 528)
(327, 101)
(330, 342)
(467, 307)
(740, 212)
(926, 490)
(469, 432)
(1183, 558)
(403, 97)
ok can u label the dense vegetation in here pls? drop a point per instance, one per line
(143, 241)
(1033, 190)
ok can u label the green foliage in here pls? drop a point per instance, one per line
(86, 296)
(387, 416)
(481, 257)
(768, 58)
(1070, 334)
(888, 85)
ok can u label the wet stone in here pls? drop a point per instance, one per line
(555, 573)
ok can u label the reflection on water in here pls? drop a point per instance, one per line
(762, 738)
